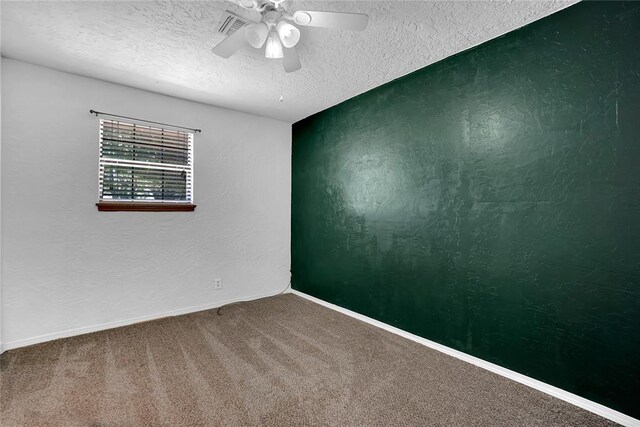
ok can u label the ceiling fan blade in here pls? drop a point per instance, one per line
(231, 44)
(290, 61)
(339, 20)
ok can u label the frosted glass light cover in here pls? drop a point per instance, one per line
(256, 34)
(274, 47)
(289, 35)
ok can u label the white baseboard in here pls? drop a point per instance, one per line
(574, 399)
(110, 325)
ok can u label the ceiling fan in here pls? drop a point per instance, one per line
(276, 28)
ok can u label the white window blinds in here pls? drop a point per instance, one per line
(144, 164)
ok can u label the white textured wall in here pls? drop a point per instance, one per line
(69, 268)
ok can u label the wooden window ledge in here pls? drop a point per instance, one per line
(145, 207)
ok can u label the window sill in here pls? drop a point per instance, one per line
(145, 207)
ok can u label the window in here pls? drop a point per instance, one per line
(144, 168)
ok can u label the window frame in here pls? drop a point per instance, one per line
(151, 205)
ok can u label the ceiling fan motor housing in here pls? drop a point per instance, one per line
(271, 18)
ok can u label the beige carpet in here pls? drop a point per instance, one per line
(279, 361)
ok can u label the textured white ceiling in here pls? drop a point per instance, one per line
(165, 47)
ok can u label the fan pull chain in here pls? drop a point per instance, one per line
(273, 78)
(281, 95)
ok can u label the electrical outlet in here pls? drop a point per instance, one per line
(217, 284)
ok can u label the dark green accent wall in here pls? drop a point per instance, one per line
(491, 202)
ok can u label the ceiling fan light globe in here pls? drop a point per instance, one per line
(289, 35)
(256, 34)
(274, 47)
(301, 18)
